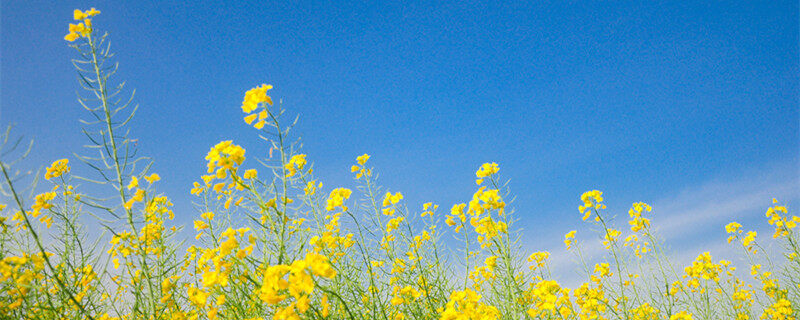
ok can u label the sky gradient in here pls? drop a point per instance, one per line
(689, 106)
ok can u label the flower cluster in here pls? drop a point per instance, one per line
(296, 282)
(81, 29)
(591, 199)
(17, 276)
(486, 170)
(778, 217)
(638, 222)
(702, 269)
(254, 99)
(223, 158)
(735, 231)
(466, 304)
(337, 198)
(549, 299)
(58, 168)
(297, 162)
(360, 168)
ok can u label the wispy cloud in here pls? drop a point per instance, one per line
(696, 210)
(691, 221)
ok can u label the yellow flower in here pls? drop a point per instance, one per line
(297, 162)
(603, 270)
(197, 297)
(487, 169)
(568, 239)
(702, 268)
(467, 305)
(491, 261)
(325, 306)
(254, 97)
(152, 178)
(42, 202)
(72, 36)
(638, 222)
(782, 309)
(76, 27)
(46, 220)
(645, 312)
(591, 199)
(92, 12)
(225, 156)
(250, 118)
(79, 30)
(58, 168)
(390, 199)
(610, 237)
(336, 199)
(393, 223)
(311, 187)
(683, 315)
(134, 182)
(539, 257)
(319, 265)
(78, 15)
(751, 236)
(733, 227)
(250, 174)
(362, 159)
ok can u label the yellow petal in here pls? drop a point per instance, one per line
(71, 36)
(78, 15)
(260, 124)
(249, 119)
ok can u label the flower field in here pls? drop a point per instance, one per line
(273, 242)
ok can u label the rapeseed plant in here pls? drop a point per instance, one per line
(276, 245)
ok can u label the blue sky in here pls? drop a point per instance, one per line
(647, 101)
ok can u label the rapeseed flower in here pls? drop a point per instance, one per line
(58, 168)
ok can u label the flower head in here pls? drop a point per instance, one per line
(84, 28)
(58, 168)
(486, 170)
(224, 156)
(253, 99)
(591, 199)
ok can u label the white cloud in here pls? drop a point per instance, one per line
(693, 221)
(696, 210)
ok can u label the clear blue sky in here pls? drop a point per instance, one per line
(647, 101)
